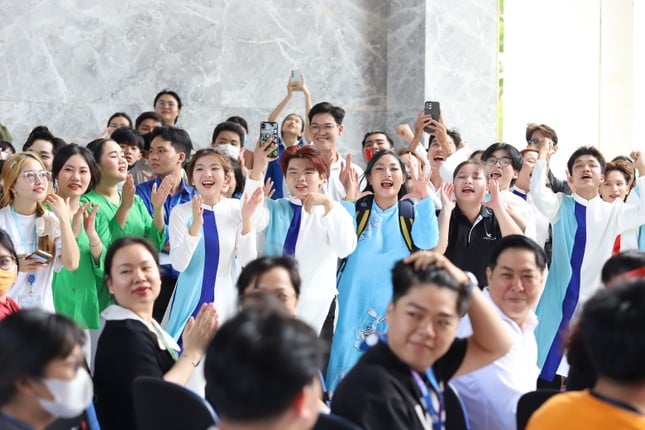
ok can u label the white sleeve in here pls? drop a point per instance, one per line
(340, 230)
(262, 215)
(182, 244)
(543, 197)
(632, 215)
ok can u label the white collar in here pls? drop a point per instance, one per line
(119, 313)
(528, 326)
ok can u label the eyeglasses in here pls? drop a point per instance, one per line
(42, 175)
(162, 103)
(7, 262)
(503, 161)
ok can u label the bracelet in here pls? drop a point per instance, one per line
(194, 363)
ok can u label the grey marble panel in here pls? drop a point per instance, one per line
(69, 64)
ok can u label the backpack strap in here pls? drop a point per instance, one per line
(406, 219)
(363, 209)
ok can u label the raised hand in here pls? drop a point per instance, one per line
(127, 192)
(89, 221)
(316, 199)
(198, 216)
(639, 162)
(349, 178)
(159, 194)
(59, 206)
(199, 331)
(419, 190)
(268, 188)
(447, 189)
(495, 202)
(77, 219)
(251, 203)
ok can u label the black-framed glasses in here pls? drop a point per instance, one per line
(42, 175)
(7, 262)
(503, 161)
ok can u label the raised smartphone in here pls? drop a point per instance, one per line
(433, 109)
(296, 76)
(269, 130)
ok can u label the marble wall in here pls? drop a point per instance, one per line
(69, 64)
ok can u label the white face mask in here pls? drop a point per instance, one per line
(230, 150)
(71, 397)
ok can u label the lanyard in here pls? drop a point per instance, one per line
(434, 409)
(31, 277)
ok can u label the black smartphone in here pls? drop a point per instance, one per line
(269, 130)
(40, 256)
(433, 109)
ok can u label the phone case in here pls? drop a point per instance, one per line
(433, 109)
(296, 76)
(269, 130)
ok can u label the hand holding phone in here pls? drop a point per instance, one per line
(269, 130)
(40, 256)
(296, 76)
(434, 110)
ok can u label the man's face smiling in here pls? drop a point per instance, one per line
(325, 132)
(586, 176)
(422, 325)
(503, 174)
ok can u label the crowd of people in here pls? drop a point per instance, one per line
(290, 287)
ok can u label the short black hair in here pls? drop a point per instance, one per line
(128, 136)
(517, 241)
(372, 133)
(325, 107)
(39, 132)
(621, 263)
(149, 115)
(613, 331)
(240, 121)
(586, 150)
(405, 276)
(228, 126)
(68, 151)
(257, 364)
(454, 135)
(513, 153)
(29, 340)
(178, 138)
(256, 268)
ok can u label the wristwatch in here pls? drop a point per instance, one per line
(472, 282)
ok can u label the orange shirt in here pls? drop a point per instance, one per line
(579, 410)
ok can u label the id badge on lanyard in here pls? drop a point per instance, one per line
(433, 402)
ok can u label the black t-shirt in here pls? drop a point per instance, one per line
(126, 349)
(380, 393)
(469, 245)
